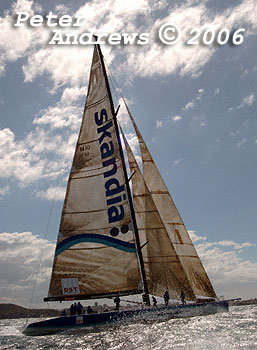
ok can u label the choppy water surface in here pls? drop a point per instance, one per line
(234, 330)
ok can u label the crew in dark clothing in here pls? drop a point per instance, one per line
(154, 301)
(166, 298)
(79, 309)
(117, 302)
(90, 310)
(72, 310)
(182, 297)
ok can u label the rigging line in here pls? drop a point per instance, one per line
(115, 82)
(43, 248)
(112, 83)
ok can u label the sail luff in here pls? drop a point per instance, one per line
(172, 220)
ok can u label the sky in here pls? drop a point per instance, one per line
(195, 106)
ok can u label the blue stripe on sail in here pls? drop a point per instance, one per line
(95, 238)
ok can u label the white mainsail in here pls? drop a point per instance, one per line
(174, 226)
(96, 252)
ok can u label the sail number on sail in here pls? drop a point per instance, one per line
(115, 192)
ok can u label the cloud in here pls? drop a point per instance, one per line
(176, 118)
(189, 105)
(196, 238)
(16, 43)
(115, 16)
(40, 155)
(19, 258)
(247, 101)
(162, 122)
(159, 124)
(189, 61)
(229, 272)
(235, 245)
(73, 94)
(72, 69)
(178, 161)
(60, 116)
(52, 193)
(123, 116)
(61, 10)
(133, 142)
(4, 191)
(15, 160)
(47, 150)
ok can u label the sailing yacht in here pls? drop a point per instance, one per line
(116, 239)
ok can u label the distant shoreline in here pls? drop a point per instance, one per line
(12, 311)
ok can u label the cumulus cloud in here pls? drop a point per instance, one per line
(14, 42)
(15, 160)
(195, 237)
(60, 116)
(19, 258)
(71, 69)
(115, 16)
(229, 272)
(52, 193)
(40, 155)
(46, 151)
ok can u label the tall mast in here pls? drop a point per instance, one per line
(133, 217)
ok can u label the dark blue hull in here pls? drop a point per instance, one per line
(92, 321)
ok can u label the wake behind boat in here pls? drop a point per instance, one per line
(114, 241)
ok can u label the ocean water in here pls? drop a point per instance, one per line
(234, 330)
